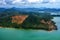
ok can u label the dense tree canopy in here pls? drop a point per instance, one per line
(33, 20)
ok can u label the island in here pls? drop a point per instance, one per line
(27, 20)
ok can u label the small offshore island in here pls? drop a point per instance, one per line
(27, 20)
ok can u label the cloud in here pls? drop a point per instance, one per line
(2, 2)
(26, 2)
(33, 1)
(49, 1)
(17, 1)
(9, 2)
(45, 1)
(52, 1)
(29, 3)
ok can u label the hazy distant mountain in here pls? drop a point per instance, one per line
(2, 9)
(31, 9)
(37, 9)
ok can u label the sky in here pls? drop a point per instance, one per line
(30, 3)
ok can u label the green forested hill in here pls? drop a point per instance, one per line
(35, 20)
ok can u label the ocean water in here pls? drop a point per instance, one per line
(21, 34)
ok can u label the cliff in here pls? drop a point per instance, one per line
(19, 19)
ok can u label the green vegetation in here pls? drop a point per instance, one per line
(32, 22)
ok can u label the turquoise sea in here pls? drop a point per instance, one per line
(21, 34)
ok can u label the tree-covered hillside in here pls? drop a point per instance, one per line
(35, 20)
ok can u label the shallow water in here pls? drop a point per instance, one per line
(20, 34)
